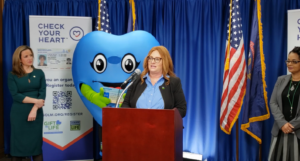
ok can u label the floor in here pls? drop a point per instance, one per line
(8, 159)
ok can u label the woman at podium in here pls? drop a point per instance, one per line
(27, 86)
(158, 86)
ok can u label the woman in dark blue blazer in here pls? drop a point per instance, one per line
(158, 87)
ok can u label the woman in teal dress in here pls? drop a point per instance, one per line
(27, 86)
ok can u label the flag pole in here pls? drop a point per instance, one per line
(99, 18)
(259, 152)
(237, 139)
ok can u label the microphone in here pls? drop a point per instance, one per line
(132, 77)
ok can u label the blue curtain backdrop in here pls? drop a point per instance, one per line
(194, 31)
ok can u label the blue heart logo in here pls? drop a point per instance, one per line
(58, 122)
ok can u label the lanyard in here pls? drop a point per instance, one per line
(288, 96)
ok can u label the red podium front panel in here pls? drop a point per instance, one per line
(131, 134)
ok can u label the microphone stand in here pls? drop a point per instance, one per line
(121, 95)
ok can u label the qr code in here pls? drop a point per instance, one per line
(62, 100)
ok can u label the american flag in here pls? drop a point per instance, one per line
(103, 17)
(234, 78)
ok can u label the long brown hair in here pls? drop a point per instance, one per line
(17, 68)
(167, 64)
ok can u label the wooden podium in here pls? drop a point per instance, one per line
(130, 134)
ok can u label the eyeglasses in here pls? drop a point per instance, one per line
(156, 60)
(292, 61)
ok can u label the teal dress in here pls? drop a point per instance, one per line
(26, 136)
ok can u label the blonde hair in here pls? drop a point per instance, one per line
(17, 68)
(167, 64)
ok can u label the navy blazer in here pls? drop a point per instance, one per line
(276, 107)
(172, 95)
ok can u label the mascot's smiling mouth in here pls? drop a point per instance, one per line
(114, 85)
(105, 84)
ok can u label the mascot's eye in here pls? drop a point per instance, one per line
(99, 63)
(129, 63)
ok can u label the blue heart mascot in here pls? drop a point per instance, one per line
(102, 59)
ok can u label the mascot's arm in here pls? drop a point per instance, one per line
(94, 97)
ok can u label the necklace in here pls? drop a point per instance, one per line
(288, 96)
(29, 73)
(293, 85)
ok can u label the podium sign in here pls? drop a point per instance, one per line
(131, 134)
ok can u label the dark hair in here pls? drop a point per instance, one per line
(42, 56)
(296, 50)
